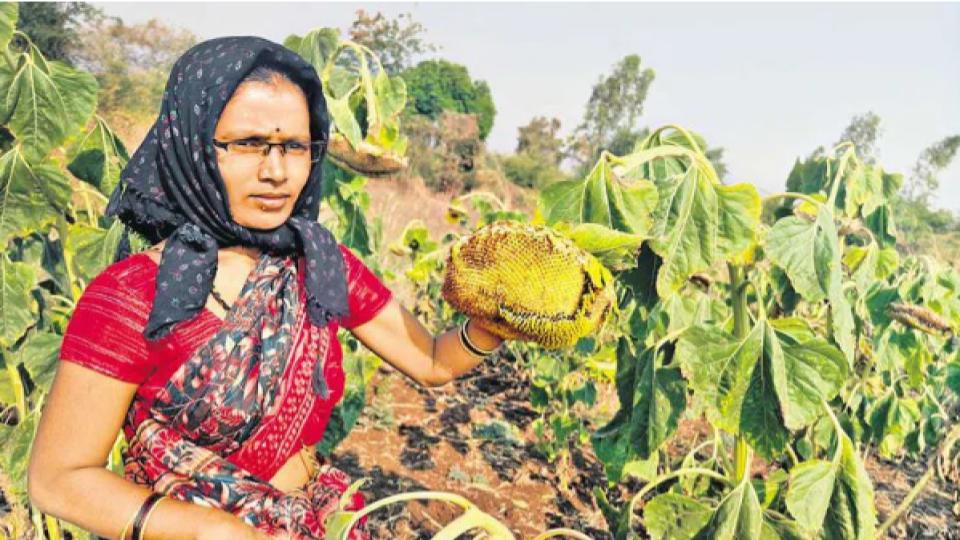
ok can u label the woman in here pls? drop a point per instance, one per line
(215, 351)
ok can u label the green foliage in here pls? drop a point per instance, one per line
(435, 86)
(530, 170)
(56, 27)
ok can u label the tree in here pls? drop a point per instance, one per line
(396, 41)
(539, 138)
(54, 26)
(864, 132)
(923, 181)
(434, 86)
(131, 65)
(615, 105)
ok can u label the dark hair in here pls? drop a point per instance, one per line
(266, 74)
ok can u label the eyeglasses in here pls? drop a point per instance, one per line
(254, 146)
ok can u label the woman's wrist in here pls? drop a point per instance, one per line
(481, 337)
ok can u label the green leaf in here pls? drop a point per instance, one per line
(902, 351)
(613, 248)
(31, 197)
(807, 252)
(92, 248)
(770, 381)
(737, 518)
(343, 119)
(719, 369)
(52, 101)
(17, 308)
(601, 198)
(806, 371)
(811, 487)
(761, 419)
(891, 419)
(9, 14)
(834, 498)
(658, 402)
(39, 354)
(871, 263)
(780, 529)
(98, 157)
(671, 516)
(391, 95)
(16, 442)
(651, 402)
(348, 200)
(699, 223)
(316, 47)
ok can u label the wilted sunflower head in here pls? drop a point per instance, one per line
(527, 282)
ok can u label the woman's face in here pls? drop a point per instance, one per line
(262, 190)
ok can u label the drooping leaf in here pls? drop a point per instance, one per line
(316, 47)
(52, 101)
(699, 223)
(16, 442)
(806, 251)
(38, 354)
(770, 381)
(672, 516)
(651, 401)
(809, 253)
(344, 121)
(833, 498)
(391, 94)
(658, 401)
(891, 419)
(17, 307)
(738, 517)
(98, 157)
(31, 197)
(871, 263)
(601, 198)
(719, 368)
(92, 248)
(613, 248)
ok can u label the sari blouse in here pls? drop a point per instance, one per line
(105, 334)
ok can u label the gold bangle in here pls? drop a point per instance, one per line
(123, 533)
(470, 345)
(143, 528)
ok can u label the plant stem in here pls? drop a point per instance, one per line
(562, 532)
(63, 231)
(669, 476)
(838, 178)
(402, 497)
(738, 300)
(792, 195)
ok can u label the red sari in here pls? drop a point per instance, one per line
(105, 334)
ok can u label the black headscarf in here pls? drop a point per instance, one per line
(172, 189)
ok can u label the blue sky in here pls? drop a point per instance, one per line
(768, 82)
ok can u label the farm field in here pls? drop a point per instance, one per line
(704, 360)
